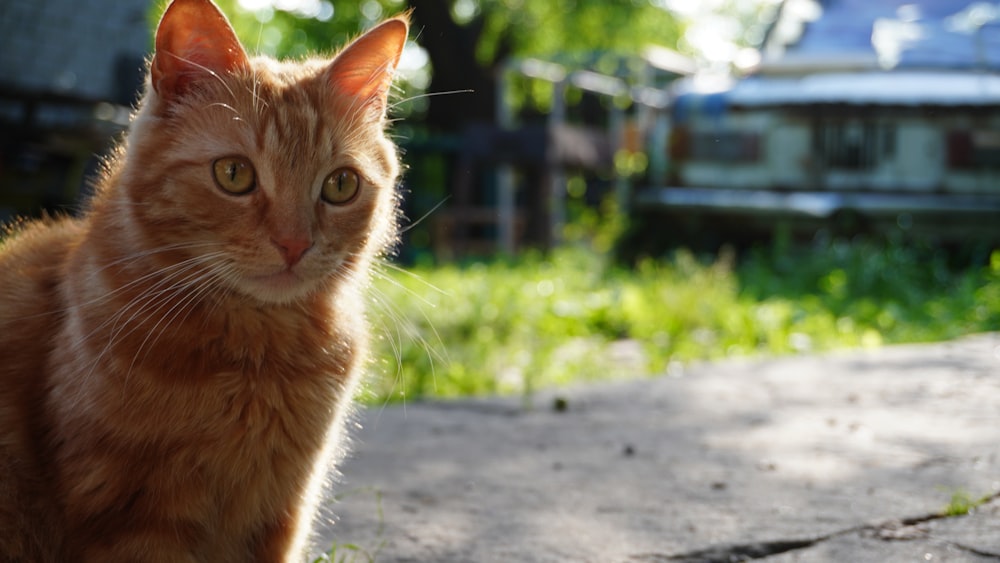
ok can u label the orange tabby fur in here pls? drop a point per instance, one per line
(177, 363)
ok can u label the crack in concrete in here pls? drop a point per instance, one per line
(882, 531)
(733, 552)
(975, 551)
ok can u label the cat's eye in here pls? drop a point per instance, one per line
(235, 174)
(341, 186)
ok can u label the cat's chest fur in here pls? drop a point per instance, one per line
(215, 434)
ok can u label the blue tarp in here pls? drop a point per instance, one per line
(954, 34)
(896, 52)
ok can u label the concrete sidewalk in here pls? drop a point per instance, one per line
(843, 457)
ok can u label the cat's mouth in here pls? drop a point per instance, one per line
(282, 285)
(276, 283)
(285, 279)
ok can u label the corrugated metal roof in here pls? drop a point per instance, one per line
(954, 34)
(868, 52)
(898, 88)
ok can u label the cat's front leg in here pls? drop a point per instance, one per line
(279, 539)
(150, 546)
(29, 527)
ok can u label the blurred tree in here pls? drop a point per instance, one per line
(296, 28)
(466, 40)
(470, 39)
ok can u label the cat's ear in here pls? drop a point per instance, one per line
(364, 69)
(194, 41)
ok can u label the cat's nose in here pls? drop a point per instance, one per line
(292, 248)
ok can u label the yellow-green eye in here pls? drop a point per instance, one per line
(235, 174)
(341, 186)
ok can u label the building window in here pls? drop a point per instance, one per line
(853, 144)
(971, 150)
(724, 146)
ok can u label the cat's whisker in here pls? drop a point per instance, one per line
(146, 277)
(193, 278)
(401, 320)
(106, 296)
(398, 103)
(403, 327)
(237, 116)
(412, 275)
(149, 295)
(227, 278)
(228, 107)
(146, 302)
(201, 284)
(203, 68)
(259, 103)
(411, 292)
(395, 344)
(148, 252)
(424, 217)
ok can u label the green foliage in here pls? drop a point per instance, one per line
(583, 32)
(512, 326)
(283, 34)
(899, 292)
(527, 28)
(346, 552)
(541, 29)
(962, 503)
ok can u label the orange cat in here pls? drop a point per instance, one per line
(175, 366)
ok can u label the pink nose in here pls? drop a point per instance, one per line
(292, 249)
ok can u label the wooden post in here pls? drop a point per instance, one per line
(506, 204)
(555, 172)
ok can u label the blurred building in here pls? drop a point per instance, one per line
(863, 115)
(69, 72)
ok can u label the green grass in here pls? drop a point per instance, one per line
(963, 503)
(347, 552)
(516, 325)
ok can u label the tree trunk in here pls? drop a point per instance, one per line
(452, 50)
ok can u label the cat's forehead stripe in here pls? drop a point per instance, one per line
(296, 128)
